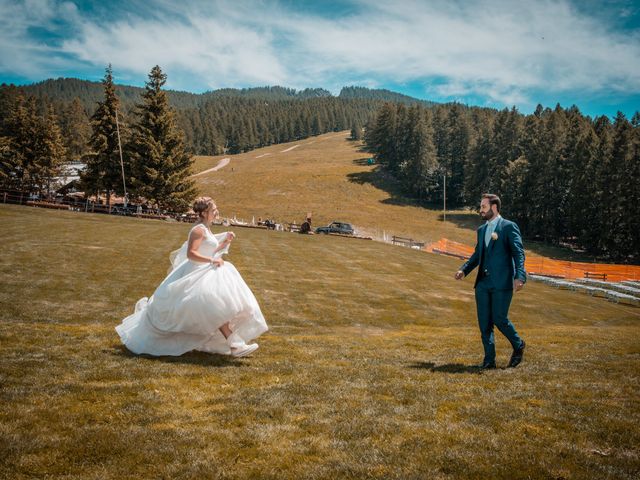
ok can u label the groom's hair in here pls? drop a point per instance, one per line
(493, 200)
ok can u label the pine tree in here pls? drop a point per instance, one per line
(23, 127)
(632, 194)
(459, 141)
(104, 171)
(9, 95)
(551, 185)
(6, 163)
(76, 130)
(583, 205)
(381, 140)
(505, 146)
(356, 131)
(477, 172)
(161, 163)
(601, 218)
(529, 214)
(51, 152)
(421, 168)
(515, 193)
(622, 209)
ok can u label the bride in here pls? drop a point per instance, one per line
(203, 304)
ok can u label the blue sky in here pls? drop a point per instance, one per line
(494, 53)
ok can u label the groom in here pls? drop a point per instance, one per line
(500, 257)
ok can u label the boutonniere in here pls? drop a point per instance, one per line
(494, 236)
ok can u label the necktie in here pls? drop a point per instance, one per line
(487, 234)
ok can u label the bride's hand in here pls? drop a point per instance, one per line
(217, 262)
(230, 237)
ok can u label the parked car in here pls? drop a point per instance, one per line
(336, 227)
(120, 209)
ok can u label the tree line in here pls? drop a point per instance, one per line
(221, 121)
(563, 176)
(147, 157)
(44, 126)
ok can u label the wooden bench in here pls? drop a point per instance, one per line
(599, 276)
(294, 227)
(451, 254)
(406, 242)
(151, 216)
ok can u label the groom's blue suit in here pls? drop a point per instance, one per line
(499, 264)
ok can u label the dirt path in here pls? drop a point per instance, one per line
(290, 148)
(222, 163)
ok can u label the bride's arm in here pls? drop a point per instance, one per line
(229, 236)
(195, 239)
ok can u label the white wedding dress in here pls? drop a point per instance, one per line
(192, 302)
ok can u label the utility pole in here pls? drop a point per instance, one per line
(444, 198)
(124, 185)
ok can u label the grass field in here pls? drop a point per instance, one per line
(365, 372)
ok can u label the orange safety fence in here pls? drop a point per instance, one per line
(548, 266)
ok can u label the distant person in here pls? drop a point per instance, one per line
(305, 228)
(499, 254)
(203, 304)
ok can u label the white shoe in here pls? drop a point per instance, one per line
(243, 350)
(235, 341)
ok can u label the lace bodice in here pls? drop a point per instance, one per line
(210, 241)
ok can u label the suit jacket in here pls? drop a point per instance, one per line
(503, 260)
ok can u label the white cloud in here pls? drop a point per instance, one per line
(208, 49)
(499, 50)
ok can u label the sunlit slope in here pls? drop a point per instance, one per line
(327, 176)
(104, 264)
(364, 373)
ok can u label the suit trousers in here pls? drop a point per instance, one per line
(493, 309)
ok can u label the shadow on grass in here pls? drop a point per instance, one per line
(362, 161)
(190, 358)
(470, 221)
(447, 368)
(386, 182)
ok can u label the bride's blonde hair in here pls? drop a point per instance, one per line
(201, 205)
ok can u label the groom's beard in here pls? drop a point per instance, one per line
(487, 216)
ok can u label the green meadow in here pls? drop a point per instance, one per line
(366, 371)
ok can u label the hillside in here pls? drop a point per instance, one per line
(364, 374)
(89, 92)
(327, 176)
(380, 94)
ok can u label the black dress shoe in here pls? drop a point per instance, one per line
(516, 358)
(487, 365)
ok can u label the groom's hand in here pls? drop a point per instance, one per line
(459, 275)
(517, 285)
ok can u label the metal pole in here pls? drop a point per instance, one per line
(444, 198)
(124, 185)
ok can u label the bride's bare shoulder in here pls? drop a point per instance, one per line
(197, 231)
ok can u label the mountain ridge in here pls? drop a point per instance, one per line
(89, 91)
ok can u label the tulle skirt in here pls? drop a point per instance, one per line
(187, 310)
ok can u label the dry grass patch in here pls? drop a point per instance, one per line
(364, 374)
